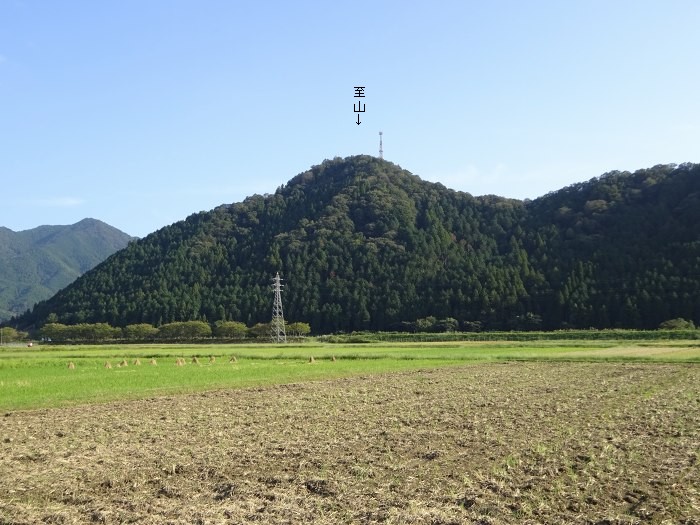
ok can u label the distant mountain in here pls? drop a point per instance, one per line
(364, 244)
(36, 263)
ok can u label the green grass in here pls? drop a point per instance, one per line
(40, 377)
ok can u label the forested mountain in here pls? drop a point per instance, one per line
(36, 263)
(364, 244)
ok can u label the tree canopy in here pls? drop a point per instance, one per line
(365, 245)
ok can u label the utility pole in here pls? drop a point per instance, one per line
(381, 151)
(277, 326)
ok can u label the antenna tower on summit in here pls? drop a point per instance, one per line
(381, 151)
(277, 325)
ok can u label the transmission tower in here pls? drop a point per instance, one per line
(277, 326)
(381, 151)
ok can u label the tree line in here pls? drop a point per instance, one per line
(11, 335)
(428, 328)
(169, 332)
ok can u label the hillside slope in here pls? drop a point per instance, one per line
(36, 263)
(364, 244)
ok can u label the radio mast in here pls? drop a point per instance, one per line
(277, 330)
(381, 151)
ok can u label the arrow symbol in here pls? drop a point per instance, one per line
(358, 120)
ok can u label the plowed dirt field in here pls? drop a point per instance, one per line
(589, 443)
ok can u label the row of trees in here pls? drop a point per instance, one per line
(236, 331)
(197, 330)
(177, 331)
(10, 335)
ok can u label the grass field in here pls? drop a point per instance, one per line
(41, 377)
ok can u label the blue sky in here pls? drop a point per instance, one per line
(141, 112)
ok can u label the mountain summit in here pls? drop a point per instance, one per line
(36, 263)
(364, 244)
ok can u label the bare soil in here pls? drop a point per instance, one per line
(526, 443)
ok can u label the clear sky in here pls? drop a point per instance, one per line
(141, 112)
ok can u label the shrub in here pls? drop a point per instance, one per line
(140, 332)
(230, 329)
(677, 324)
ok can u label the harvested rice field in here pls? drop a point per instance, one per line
(485, 443)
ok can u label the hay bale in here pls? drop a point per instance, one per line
(212, 359)
(71, 366)
(333, 359)
(195, 361)
(108, 364)
(124, 363)
(233, 359)
(311, 359)
(153, 361)
(137, 362)
(179, 362)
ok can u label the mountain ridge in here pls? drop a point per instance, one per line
(364, 244)
(39, 261)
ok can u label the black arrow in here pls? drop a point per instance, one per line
(358, 120)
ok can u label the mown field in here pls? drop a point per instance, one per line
(430, 434)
